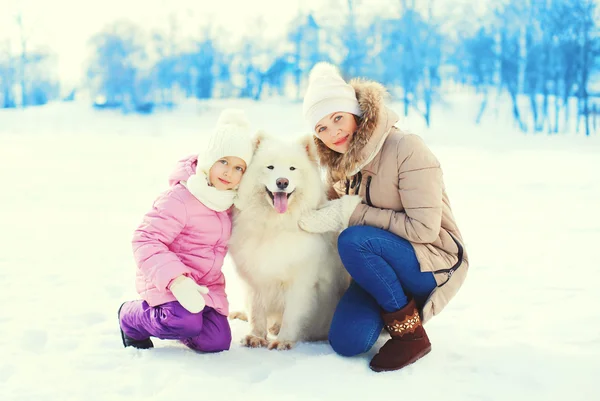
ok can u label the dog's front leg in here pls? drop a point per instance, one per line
(258, 324)
(300, 302)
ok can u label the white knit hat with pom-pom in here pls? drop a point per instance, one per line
(231, 137)
(327, 93)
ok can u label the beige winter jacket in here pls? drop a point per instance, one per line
(401, 184)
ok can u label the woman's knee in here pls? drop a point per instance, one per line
(350, 247)
(343, 347)
(356, 323)
(350, 341)
(357, 240)
(351, 238)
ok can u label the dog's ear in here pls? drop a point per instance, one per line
(309, 146)
(258, 138)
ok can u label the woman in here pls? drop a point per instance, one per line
(402, 247)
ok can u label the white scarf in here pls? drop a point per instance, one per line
(211, 197)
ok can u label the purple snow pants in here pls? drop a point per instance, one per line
(207, 331)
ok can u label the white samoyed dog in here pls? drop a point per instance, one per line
(293, 278)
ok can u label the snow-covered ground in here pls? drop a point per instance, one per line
(76, 182)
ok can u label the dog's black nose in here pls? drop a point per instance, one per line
(282, 183)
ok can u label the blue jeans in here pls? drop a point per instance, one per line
(385, 275)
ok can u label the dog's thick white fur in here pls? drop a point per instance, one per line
(293, 278)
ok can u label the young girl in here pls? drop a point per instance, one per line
(403, 248)
(180, 246)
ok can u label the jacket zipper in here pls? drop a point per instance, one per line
(356, 180)
(451, 270)
(368, 190)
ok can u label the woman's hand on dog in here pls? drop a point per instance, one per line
(333, 216)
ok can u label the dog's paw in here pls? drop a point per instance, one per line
(253, 341)
(274, 329)
(281, 345)
(238, 315)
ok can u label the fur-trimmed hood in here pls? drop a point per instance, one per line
(375, 124)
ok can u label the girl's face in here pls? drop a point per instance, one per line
(227, 173)
(336, 130)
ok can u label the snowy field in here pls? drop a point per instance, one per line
(76, 183)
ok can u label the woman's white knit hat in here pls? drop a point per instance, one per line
(327, 93)
(231, 137)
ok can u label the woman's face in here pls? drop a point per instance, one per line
(336, 130)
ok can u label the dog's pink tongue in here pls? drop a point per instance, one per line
(280, 202)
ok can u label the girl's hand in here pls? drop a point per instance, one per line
(189, 294)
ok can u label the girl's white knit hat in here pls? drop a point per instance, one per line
(230, 137)
(327, 93)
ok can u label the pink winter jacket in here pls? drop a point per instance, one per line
(181, 236)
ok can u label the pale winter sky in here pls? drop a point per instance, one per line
(65, 26)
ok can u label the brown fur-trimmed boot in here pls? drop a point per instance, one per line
(409, 341)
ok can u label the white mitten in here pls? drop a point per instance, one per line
(238, 203)
(189, 294)
(334, 216)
